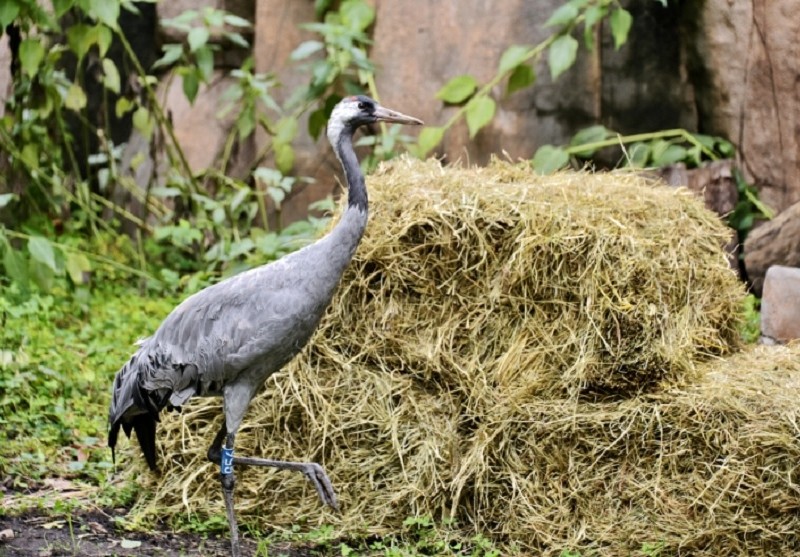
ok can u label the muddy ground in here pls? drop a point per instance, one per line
(93, 534)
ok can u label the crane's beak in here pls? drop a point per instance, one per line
(383, 114)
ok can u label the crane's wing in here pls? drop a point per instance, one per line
(241, 329)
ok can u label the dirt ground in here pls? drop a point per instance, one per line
(93, 534)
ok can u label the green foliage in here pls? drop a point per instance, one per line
(58, 354)
(458, 89)
(562, 55)
(204, 223)
(749, 209)
(644, 150)
(751, 319)
(516, 68)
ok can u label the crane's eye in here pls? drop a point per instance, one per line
(362, 105)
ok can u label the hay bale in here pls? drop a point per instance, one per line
(708, 469)
(451, 375)
(551, 284)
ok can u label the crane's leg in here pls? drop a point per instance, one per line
(311, 470)
(224, 457)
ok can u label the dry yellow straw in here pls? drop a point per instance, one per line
(539, 358)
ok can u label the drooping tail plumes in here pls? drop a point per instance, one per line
(132, 408)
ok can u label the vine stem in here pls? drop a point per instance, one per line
(158, 111)
(624, 139)
(534, 52)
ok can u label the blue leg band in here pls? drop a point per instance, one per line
(227, 461)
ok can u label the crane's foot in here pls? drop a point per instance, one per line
(311, 470)
(228, 481)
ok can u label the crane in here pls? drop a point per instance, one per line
(228, 338)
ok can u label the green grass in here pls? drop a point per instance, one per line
(58, 356)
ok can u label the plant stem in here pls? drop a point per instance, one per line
(159, 112)
(649, 136)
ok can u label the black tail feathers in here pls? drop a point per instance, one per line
(134, 408)
(145, 427)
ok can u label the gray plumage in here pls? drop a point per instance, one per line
(227, 339)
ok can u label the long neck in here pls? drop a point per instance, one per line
(356, 188)
(343, 240)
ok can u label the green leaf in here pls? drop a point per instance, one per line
(42, 250)
(276, 194)
(429, 139)
(316, 122)
(563, 15)
(142, 122)
(562, 55)
(31, 53)
(593, 15)
(106, 11)
(103, 38)
(172, 52)
(522, 76)
(513, 56)
(458, 89)
(357, 14)
(284, 157)
(306, 49)
(123, 106)
(42, 275)
(592, 134)
(61, 6)
(191, 84)
(76, 98)
(236, 21)
(725, 147)
(239, 197)
(237, 39)
(16, 266)
(672, 154)
(638, 155)
(30, 155)
(205, 61)
(80, 38)
(658, 147)
(480, 112)
(111, 76)
(548, 159)
(9, 10)
(621, 21)
(77, 264)
(197, 37)
(286, 130)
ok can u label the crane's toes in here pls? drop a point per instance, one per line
(316, 474)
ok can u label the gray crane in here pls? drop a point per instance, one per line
(227, 339)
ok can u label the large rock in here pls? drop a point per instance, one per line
(712, 181)
(420, 45)
(199, 129)
(780, 306)
(277, 34)
(745, 62)
(776, 242)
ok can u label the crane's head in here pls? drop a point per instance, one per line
(358, 110)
